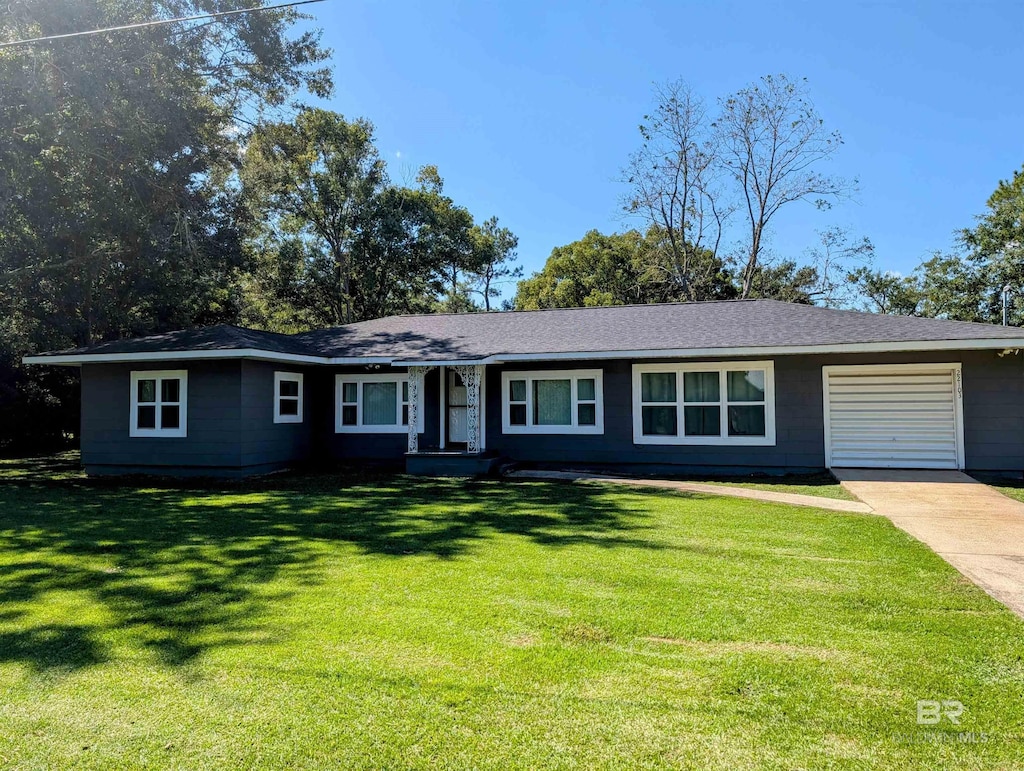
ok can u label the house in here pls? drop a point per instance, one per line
(753, 385)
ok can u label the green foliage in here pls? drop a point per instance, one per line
(336, 241)
(887, 292)
(629, 268)
(115, 215)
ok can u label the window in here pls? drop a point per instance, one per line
(159, 402)
(555, 402)
(287, 397)
(373, 404)
(708, 403)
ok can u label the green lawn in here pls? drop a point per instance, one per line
(822, 485)
(342, 621)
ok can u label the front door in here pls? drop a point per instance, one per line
(458, 424)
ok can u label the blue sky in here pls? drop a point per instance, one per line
(531, 109)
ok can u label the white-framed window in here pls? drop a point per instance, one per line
(372, 404)
(159, 403)
(568, 401)
(731, 403)
(287, 397)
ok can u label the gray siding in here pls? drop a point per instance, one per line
(230, 421)
(213, 419)
(263, 441)
(231, 428)
(378, 447)
(993, 417)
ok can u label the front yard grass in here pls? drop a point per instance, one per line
(390, 622)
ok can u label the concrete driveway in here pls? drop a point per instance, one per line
(976, 529)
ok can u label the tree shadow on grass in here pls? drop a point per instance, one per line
(185, 569)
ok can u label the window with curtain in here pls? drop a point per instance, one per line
(372, 403)
(704, 403)
(552, 402)
(158, 403)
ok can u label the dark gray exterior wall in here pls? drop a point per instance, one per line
(230, 421)
(231, 428)
(370, 446)
(993, 417)
(264, 442)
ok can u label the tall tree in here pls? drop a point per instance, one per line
(673, 180)
(694, 172)
(496, 247)
(996, 248)
(317, 178)
(115, 215)
(772, 141)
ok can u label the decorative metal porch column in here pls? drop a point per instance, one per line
(416, 375)
(472, 376)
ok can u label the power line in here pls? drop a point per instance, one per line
(157, 23)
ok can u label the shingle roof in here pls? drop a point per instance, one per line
(222, 337)
(747, 324)
(707, 325)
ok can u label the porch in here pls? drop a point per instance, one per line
(461, 446)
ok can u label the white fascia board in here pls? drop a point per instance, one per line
(984, 344)
(75, 359)
(444, 362)
(783, 350)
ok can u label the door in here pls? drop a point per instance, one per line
(458, 423)
(904, 416)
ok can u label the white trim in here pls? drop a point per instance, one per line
(955, 367)
(158, 375)
(721, 367)
(573, 376)
(236, 353)
(483, 410)
(287, 377)
(984, 344)
(361, 379)
(443, 411)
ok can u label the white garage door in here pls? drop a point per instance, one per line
(907, 416)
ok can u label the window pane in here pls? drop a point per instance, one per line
(169, 416)
(701, 387)
(147, 417)
(746, 386)
(289, 388)
(517, 390)
(405, 391)
(170, 390)
(658, 386)
(289, 407)
(552, 402)
(659, 421)
(380, 404)
(349, 392)
(517, 414)
(405, 414)
(585, 389)
(747, 421)
(702, 421)
(147, 390)
(587, 414)
(348, 415)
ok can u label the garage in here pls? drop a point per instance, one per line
(893, 416)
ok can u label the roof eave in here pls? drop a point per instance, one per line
(77, 359)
